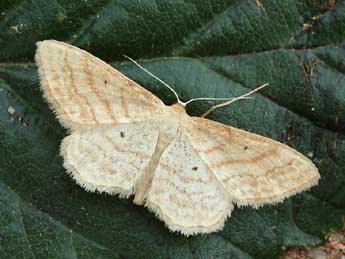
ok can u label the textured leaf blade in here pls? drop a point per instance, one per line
(232, 46)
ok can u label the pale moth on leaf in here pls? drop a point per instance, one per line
(188, 170)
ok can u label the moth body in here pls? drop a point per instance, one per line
(189, 171)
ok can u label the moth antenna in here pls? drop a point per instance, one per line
(244, 96)
(157, 78)
(212, 99)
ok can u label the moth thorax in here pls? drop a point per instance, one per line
(180, 108)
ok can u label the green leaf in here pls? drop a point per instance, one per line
(217, 48)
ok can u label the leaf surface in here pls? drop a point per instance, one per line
(218, 48)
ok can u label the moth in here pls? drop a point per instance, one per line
(189, 171)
